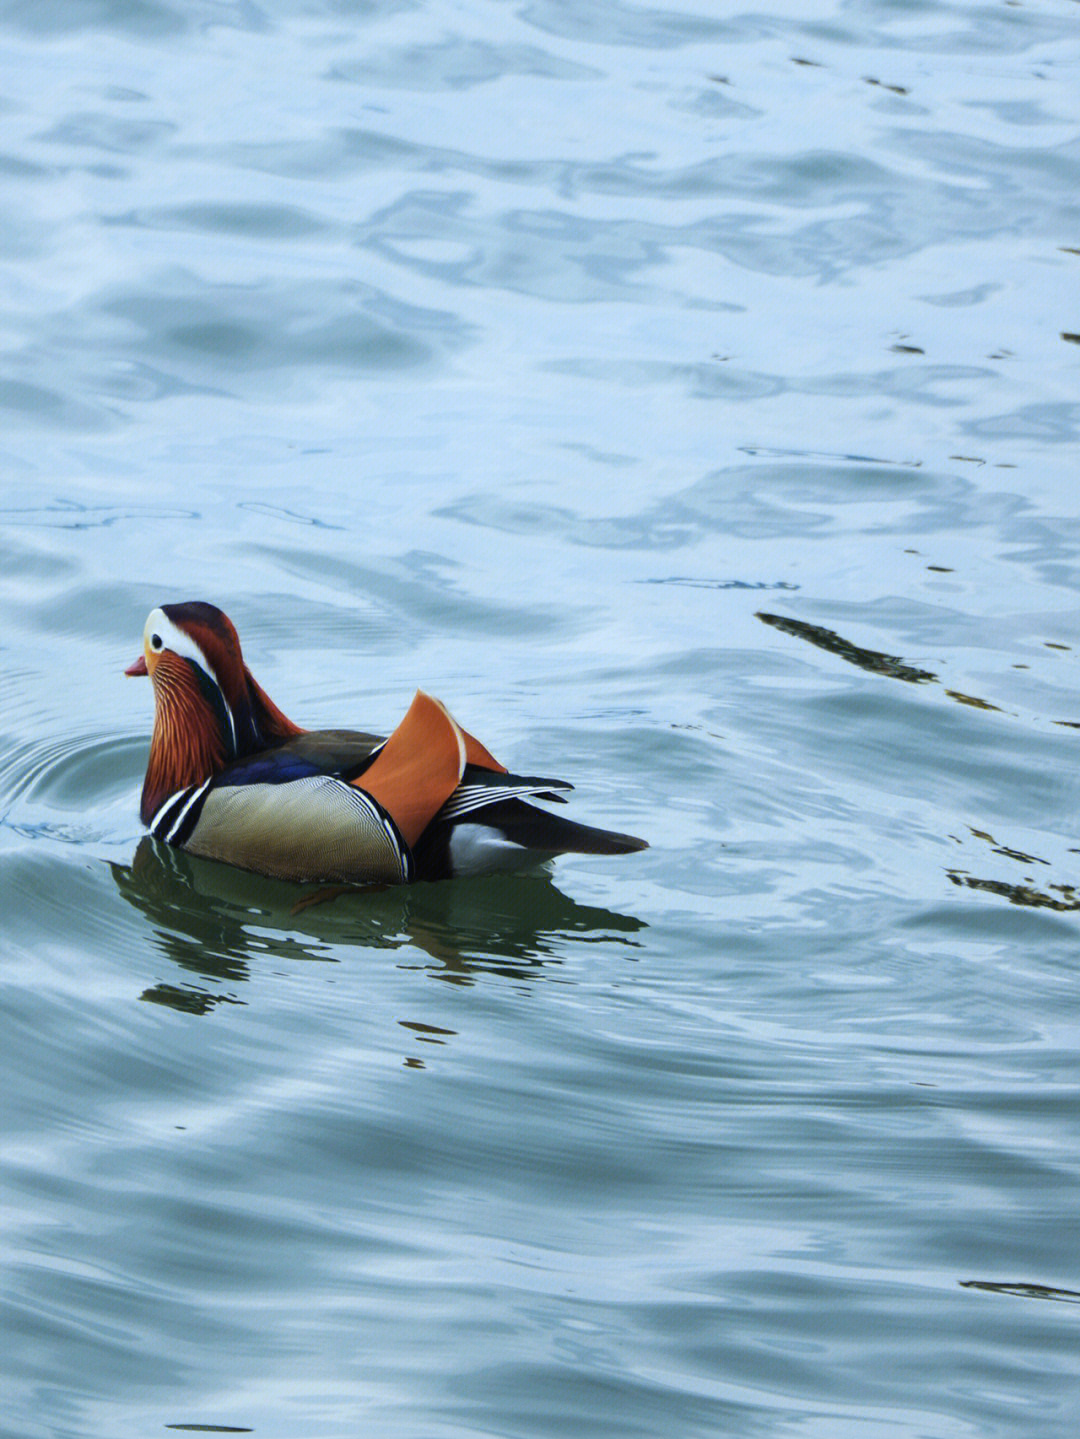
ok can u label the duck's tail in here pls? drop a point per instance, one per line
(478, 832)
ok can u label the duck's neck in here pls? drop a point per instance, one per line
(187, 746)
(267, 724)
(197, 732)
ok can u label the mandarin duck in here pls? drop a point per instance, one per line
(231, 778)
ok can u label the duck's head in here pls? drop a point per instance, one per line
(209, 709)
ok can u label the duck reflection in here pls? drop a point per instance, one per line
(215, 922)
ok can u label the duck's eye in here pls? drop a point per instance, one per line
(155, 642)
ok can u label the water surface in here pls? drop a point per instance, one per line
(688, 397)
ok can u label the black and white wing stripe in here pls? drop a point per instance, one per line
(481, 788)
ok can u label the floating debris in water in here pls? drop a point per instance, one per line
(211, 1428)
(706, 584)
(973, 700)
(872, 660)
(1024, 895)
(187, 998)
(1023, 1291)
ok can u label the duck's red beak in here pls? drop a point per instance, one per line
(138, 668)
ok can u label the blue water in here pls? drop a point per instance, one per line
(688, 397)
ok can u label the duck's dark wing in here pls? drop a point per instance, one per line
(341, 752)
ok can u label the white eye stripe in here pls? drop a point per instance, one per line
(170, 637)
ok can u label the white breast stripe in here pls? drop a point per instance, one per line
(183, 799)
(175, 827)
(163, 811)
